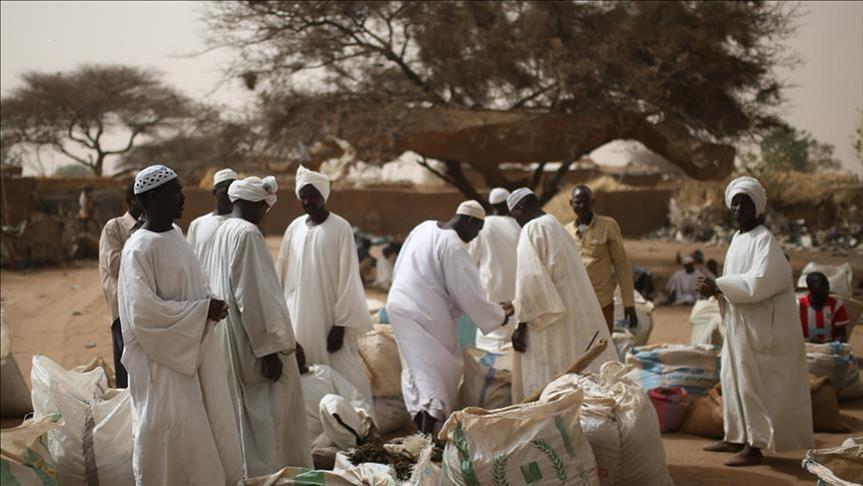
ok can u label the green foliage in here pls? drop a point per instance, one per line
(73, 170)
(786, 148)
(70, 112)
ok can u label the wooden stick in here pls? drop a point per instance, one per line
(577, 366)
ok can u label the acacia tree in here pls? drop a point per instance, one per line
(73, 112)
(669, 74)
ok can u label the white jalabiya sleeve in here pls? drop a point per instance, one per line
(350, 309)
(768, 276)
(261, 303)
(170, 331)
(462, 284)
(347, 390)
(283, 258)
(537, 300)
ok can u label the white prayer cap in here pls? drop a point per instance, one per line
(752, 188)
(516, 196)
(472, 209)
(687, 260)
(224, 175)
(497, 195)
(316, 179)
(254, 189)
(153, 177)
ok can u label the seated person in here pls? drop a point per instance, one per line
(681, 286)
(824, 319)
(336, 412)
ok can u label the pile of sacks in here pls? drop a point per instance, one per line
(596, 429)
(379, 354)
(81, 431)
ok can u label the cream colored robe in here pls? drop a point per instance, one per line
(201, 232)
(765, 387)
(554, 296)
(183, 426)
(494, 251)
(272, 423)
(320, 277)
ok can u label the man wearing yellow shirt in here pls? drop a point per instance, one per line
(600, 245)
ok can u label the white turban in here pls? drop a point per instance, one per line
(224, 175)
(316, 179)
(153, 177)
(516, 196)
(254, 189)
(752, 188)
(497, 195)
(472, 209)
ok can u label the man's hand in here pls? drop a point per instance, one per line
(218, 310)
(335, 339)
(519, 338)
(706, 287)
(631, 317)
(271, 367)
(508, 311)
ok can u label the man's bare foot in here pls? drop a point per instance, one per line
(749, 456)
(722, 446)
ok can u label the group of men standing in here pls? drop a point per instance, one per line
(210, 327)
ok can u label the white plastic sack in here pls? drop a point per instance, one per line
(391, 415)
(380, 356)
(367, 474)
(695, 368)
(837, 466)
(355, 424)
(840, 277)
(486, 384)
(644, 311)
(623, 342)
(620, 424)
(24, 455)
(94, 444)
(538, 443)
(706, 323)
(835, 361)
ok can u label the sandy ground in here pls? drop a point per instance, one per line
(61, 313)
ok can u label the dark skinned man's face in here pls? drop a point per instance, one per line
(221, 194)
(311, 199)
(819, 289)
(470, 229)
(252, 212)
(167, 200)
(742, 210)
(581, 202)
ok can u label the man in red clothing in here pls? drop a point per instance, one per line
(824, 319)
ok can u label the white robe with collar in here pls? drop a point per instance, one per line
(320, 276)
(765, 388)
(183, 426)
(272, 425)
(494, 251)
(201, 232)
(554, 296)
(435, 281)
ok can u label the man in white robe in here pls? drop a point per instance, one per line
(183, 425)
(766, 400)
(494, 251)
(435, 281)
(320, 276)
(337, 413)
(559, 316)
(258, 336)
(202, 228)
(681, 285)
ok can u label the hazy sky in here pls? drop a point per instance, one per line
(60, 35)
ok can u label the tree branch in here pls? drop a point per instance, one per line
(550, 186)
(537, 175)
(423, 162)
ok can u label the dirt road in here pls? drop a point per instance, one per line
(61, 313)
